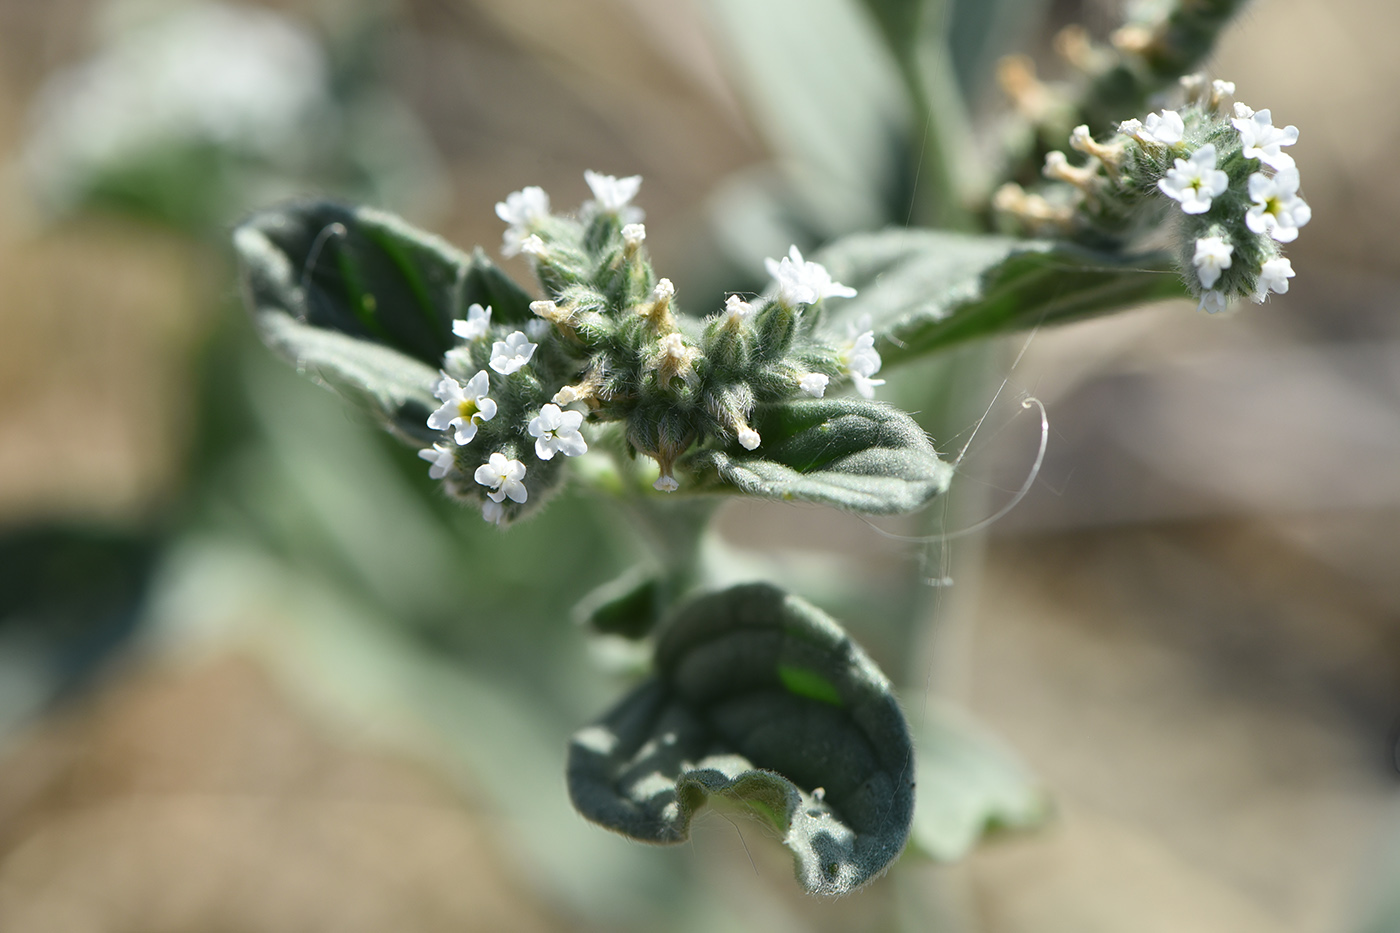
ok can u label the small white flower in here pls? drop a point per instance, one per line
(476, 325)
(814, 384)
(1213, 256)
(443, 456)
(666, 483)
(532, 245)
(614, 195)
(1164, 129)
(521, 209)
(1262, 140)
(860, 357)
(737, 310)
(633, 235)
(665, 290)
(749, 439)
(1195, 181)
(503, 477)
(463, 407)
(1128, 127)
(511, 354)
(1213, 302)
(1273, 277)
(1277, 210)
(556, 430)
(493, 512)
(1222, 88)
(1243, 111)
(536, 329)
(802, 282)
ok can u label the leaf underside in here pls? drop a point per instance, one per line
(850, 453)
(762, 699)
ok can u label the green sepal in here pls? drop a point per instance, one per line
(970, 786)
(926, 289)
(368, 274)
(763, 699)
(850, 453)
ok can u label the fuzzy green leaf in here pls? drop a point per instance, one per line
(846, 452)
(761, 698)
(927, 289)
(970, 785)
(368, 274)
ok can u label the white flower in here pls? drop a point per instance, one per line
(1213, 302)
(521, 209)
(1221, 88)
(1128, 127)
(532, 245)
(666, 483)
(463, 407)
(814, 384)
(665, 290)
(748, 438)
(1262, 139)
(801, 282)
(475, 326)
(557, 430)
(536, 329)
(1164, 129)
(1273, 277)
(503, 477)
(633, 235)
(1277, 210)
(737, 310)
(493, 512)
(860, 357)
(511, 354)
(1195, 181)
(443, 456)
(614, 196)
(1213, 256)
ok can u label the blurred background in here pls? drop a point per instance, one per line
(252, 676)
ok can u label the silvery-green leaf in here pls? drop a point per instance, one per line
(394, 388)
(761, 698)
(847, 452)
(970, 784)
(925, 289)
(628, 606)
(368, 274)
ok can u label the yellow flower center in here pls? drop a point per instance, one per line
(467, 408)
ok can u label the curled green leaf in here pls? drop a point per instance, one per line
(850, 453)
(924, 290)
(761, 698)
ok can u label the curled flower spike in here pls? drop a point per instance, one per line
(1213, 255)
(614, 195)
(1277, 210)
(1194, 182)
(504, 478)
(556, 430)
(463, 406)
(802, 282)
(476, 325)
(1273, 277)
(1262, 140)
(443, 457)
(509, 355)
(521, 209)
(814, 384)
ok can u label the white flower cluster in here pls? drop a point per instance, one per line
(466, 406)
(1196, 183)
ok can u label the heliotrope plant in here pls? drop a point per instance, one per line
(603, 377)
